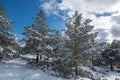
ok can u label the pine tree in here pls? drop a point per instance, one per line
(36, 36)
(7, 39)
(98, 59)
(79, 39)
(58, 54)
(112, 54)
(55, 41)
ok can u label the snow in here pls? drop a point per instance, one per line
(28, 56)
(1, 49)
(112, 76)
(16, 70)
(101, 74)
(49, 47)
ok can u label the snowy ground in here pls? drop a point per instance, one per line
(16, 70)
(109, 75)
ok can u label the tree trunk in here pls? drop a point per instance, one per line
(92, 65)
(111, 67)
(76, 68)
(40, 57)
(37, 58)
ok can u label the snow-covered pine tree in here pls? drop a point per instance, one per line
(7, 39)
(58, 54)
(79, 39)
(55, 41)
(98, 59)
(112, 54)
(37, 37)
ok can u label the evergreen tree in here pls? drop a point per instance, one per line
(98, 59)
(56, 43)
(7, 39)
(112, 54)
(60, 62)
(79, 39)
(37, 36)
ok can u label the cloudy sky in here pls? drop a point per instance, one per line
(105, 14)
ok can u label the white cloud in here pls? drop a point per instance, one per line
(89, 8)
(86, 6)
(50, 6)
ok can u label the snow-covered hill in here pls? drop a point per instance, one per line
(16, 70)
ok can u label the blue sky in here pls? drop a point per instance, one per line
(22, 12)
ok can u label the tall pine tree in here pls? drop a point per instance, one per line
(37, 36)
(79, 39)
(7, 39)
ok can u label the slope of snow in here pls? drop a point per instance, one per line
(103, 75)
(17, 70)
(112, 76)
